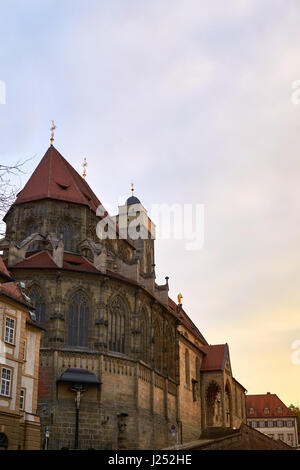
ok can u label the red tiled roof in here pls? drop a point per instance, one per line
(79, 263)
(215, 356)
(12, 290)
(55, 178)
(43, 260)
(4, 274)
(270, 401)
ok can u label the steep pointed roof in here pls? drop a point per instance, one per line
(4, 274)
(55, 178)
(215, 356)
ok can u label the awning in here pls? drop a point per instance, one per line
(79, 376)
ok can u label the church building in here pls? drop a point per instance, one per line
(122, 366)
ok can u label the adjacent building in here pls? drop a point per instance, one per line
(269, 415)
(19, 368)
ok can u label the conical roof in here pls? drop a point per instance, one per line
(55, 178)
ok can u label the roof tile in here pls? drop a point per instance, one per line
(55, 178)
(215, 356)
(269, 400)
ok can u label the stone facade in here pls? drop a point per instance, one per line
(104, 313)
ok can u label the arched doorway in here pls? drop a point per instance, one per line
(228, 406)
(3, 441)
(213, 405)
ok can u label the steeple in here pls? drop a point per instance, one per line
(133, 219)
(55, 178)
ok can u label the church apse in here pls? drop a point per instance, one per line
(104, 313)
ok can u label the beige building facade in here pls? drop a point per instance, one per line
(19, 368)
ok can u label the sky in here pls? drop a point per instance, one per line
(192, 100)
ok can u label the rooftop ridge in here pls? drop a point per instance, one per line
(46, 182)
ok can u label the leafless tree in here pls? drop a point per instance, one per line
(9, 187)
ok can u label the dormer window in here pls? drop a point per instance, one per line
(266, 411)
(251, 411)
(87, 197)
(279, 409)
(64, 187)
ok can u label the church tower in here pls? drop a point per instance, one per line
(136, 226)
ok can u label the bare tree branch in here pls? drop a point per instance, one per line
(9, 188)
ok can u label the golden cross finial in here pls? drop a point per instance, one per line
(132, 189)
(84, 167)
(180, 297)
(52, 132)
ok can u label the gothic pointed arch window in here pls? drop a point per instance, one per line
(64, 229)
(117, 326)
(78, 324)
(197, 366)
(39, 303)
(187, 367)
(145, 337)
(158, 346)
(32, 228)
(170, 335)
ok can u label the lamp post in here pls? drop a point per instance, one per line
(79, 390)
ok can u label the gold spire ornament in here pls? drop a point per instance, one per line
(52, 132)
(180, 297)
(84, 168)
(132, 189)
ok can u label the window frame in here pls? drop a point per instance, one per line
(11, 371)
(75, 317)
(24, 354)
(23, 389)
(14, 319)
(187, 368)
(38, 300)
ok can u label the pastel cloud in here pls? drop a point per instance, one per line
(192, 101)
